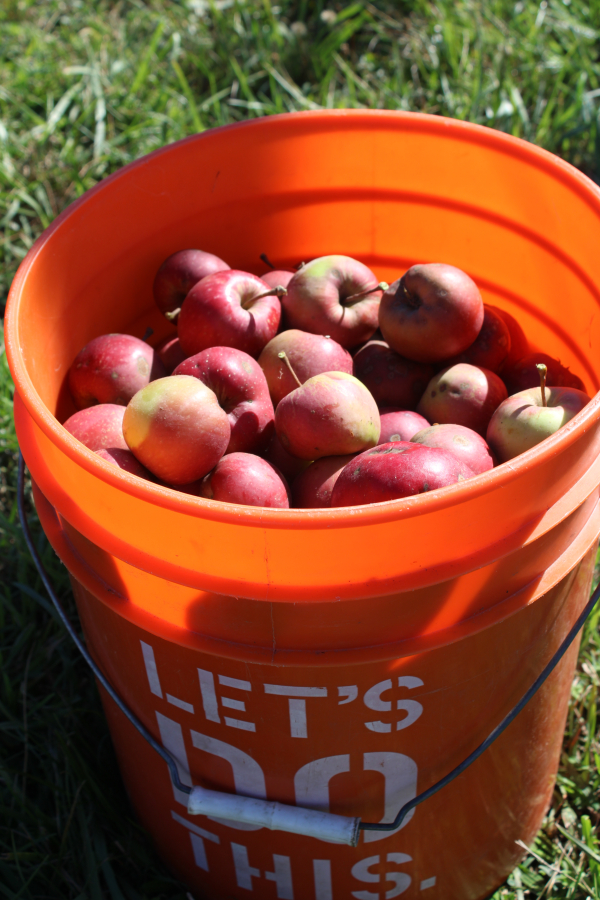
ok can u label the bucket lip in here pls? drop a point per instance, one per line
(341, 516)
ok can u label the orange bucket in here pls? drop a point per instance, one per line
(341, 659)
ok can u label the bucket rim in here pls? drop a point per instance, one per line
(343, 119)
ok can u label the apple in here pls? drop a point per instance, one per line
(111, 369)
(124, 459)
(432, 313)
(245, 479)
(392, 379)
(396, 469)
(176, 428)
(170, 353)
(463, 443)
(229, 309)
(519, 345)
(242, 392)
(178, 274)
(492, 345)
(308, 354)
(334, 295)
(331, 414)
(98, 427)
(462, 395)
(523, 374)
(286, 463)
(277, 277)
(522, 420)
(312, 488)
(399, 424)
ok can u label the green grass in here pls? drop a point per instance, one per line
(85, 88)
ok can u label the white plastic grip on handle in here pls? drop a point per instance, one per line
(277, 816)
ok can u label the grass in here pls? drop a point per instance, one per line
(87, 87)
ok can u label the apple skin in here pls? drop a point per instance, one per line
(392, 379)
(462, 395)
(491, 347)
(316, 295)
(521, 421)
(312, 488)
(242, 391)
(432, 313)
(523, 374)
(399, 424)
(179, 273)
(176, 428)
(169, 352)
(309, 354)
(112, 368)
(98, 427)
(519, 345)
(277, 277)
(332, 414)
(124, 459)
(463, 443)
(245, 479)
(286, 463)
(394, 470)
(220, 311)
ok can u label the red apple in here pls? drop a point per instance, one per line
(312, 488)
(245, 479)
(523, 374)
(309, 354)
(392, 379)
(111, 369)
(492, 345)
(124, 459)
(98, 427)
(432, 313)
(330, 415)
(229, 309)
(242, 391)
(462, 395)
(522, 420)
(176, 428)
(178, 274)
(399, 424)
(170, 353)
(286, 463)
(334, 295)
(277, 277)
(394, 470)
(519, 345)
(463, 443)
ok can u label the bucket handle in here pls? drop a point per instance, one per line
(271, 814)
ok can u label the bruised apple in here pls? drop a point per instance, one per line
(462, 395)
(394, 470)
(399, 424)
(176, 428)
(464, 443)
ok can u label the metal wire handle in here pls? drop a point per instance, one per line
(364, 826)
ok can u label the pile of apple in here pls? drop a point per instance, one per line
(277, 391)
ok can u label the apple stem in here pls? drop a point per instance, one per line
(278, 291)
(382, 286)
(148, 333)
(543, 370)
(173, 315)
(267, 261)
(299, 266)
(283, 355)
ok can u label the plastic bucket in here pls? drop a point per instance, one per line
(345, 658)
